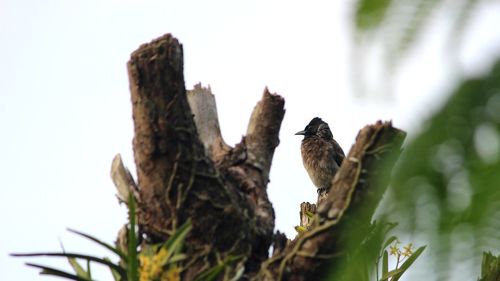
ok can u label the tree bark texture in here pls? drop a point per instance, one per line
(490, 267)
(180, 177)
(186, 171)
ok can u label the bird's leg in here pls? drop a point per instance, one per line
(321, 190)
(322, 194)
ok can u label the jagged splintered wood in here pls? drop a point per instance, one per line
(186, 171)
(305, 209)
(202, 104)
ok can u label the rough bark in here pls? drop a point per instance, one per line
(353, 196)
(180, 176)
(185, 170)
(490, 267)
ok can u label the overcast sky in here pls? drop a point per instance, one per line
(65, 104)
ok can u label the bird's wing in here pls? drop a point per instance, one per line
(339, 153)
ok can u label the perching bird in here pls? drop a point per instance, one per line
(321, 154)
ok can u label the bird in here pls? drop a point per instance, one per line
(321, 154)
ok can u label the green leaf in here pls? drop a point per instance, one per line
(177, 258)
(132, 262)
(88, 269)
(116, 275)
(391, 273)
(385, 264)
(74, 255)
(56, 272)
(389, 241)
(175, 242)
(411, 259)
(212, 273)
(390, 226)
(370, 13)
(78, 268)
(105, 245)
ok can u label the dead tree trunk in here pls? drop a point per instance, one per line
(185, 170)
(224, 195)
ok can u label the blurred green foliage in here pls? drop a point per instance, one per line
(447, 184)
(399, 24)
(445, 191)
(369, 13)
(446, 187)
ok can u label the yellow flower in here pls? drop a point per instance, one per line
(161, 256)
(152, 267)
(394, 250)
(144, 276)
(159, 260)
(173, 274)
(145, 268)
(407, 250)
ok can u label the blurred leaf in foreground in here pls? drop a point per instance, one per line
(447, 183)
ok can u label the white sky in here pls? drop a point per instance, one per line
(65, 105)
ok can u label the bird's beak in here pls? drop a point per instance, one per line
(301, 133)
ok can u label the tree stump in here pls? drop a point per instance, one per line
(185, 170)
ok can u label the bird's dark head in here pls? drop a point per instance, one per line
(316, 127)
